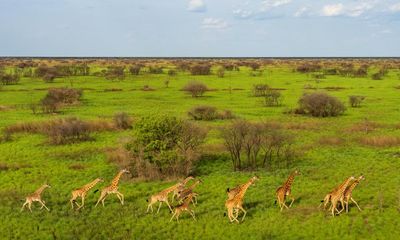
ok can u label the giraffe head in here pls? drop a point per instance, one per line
(99, 180)
(361, 177)
(254, 179)
(125, 170)
(296, 172)
(46, 185)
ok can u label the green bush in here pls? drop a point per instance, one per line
(320, 104)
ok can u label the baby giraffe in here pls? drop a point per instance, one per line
(285, 190)
(112, 189)
(35, 197)
(81, 192)
(185, 206)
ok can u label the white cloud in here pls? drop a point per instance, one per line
(351, 10)
(301, 12)
(241, 13)
(395, 7)
(214, 23)
(268, 4)
(333, 10)
(197, 6)
(359, 9)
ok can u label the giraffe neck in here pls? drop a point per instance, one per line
(344, 186)
(115, 181)
(353, 185)
(186, 180)
(87, 187)
(289, 182)
(244, 188)
(40, 190)
(194, 185)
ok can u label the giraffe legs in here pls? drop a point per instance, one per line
(150, 206)
(244, 212)
(120, 197)
(101, 198)
(82, 204)
(23, 206)
(192, 213)
(354, 201)
(159, 206)
(43, 205)
(173, 215)
(291, 202)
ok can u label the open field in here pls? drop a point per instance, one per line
(363, 140)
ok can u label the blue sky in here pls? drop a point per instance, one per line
(229, 28)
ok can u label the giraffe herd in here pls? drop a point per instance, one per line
(185, 196)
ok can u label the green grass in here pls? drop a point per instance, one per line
(32, 162)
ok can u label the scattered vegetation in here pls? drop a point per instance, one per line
(355, 101)
(59, 97)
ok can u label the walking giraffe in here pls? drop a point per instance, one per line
(284, 191)
(337, 196)
(185, 206)
(162, 197)
(81, 192)
(236, 203)
(181, 187)
(347, 195)
(112, 189)
(35, 197)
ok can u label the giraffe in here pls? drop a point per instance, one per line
(235, 204)
(337, 196)
(284, 191)
(162, 197)
(36, 197)
(81, 192)
(347, 195)
(232, 192)
(112, 189)
(189, 191)
(327, 197)
(181, 187)
(185, 206)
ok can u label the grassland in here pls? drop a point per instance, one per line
(28, 161)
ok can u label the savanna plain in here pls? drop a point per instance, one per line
(66, 122)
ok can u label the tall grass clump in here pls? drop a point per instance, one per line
(320, 104)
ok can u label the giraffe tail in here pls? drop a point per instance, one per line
(147, 200)
(227, 190)
(95, 191)
(275, 202)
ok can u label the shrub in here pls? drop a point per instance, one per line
(355, 101)
(115, 73)
(330, 140)
(380, 141)
(320, 104)
(166, 83)
(60, 131)
(49, 77)
(135, 69)
(209, 113)
(58, 97)
(9, 79)
(259, 90)
(155, 70)
(200, 69)
(377, 76)
(172, 72)
(165, 146)
(273, 98)
(203, 113)
(250, 139)
(220, 72)
(122, 120)
(196, 89)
